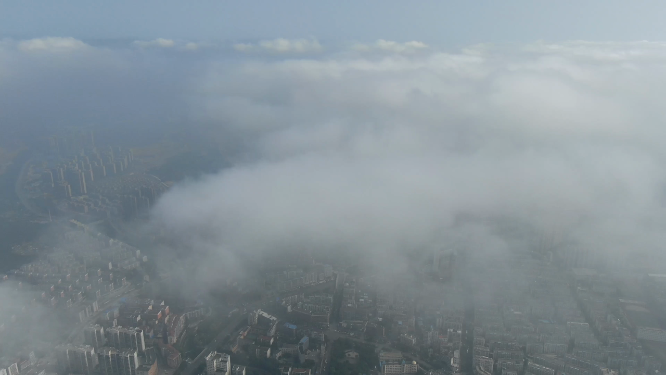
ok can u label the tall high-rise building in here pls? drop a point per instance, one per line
(94, 336)
(111, 168)
(60, 174)
(63, 190)
(82, 181)
(77, 179)
(109, 361)
(113, 361)
(76, 359)
(126, 338)
(129, 362)
(47, 178)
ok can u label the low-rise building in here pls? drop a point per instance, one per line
(218, 364)
(393, 363)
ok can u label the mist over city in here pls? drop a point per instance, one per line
(332, 189)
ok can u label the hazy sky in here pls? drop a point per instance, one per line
(446, 23)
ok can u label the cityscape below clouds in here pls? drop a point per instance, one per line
(294, 188)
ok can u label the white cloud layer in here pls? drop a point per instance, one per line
(51, 44)
(281, 45)
(159, 43)
(191, 46)
(385, 154)
(382, 45)
(376, 153)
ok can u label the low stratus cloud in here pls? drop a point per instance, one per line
(159, 42)
(51, 44)
(380, 153)
(192, 46)
(171, 44)
(281, 45)
(390, 46)
(384, 155)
